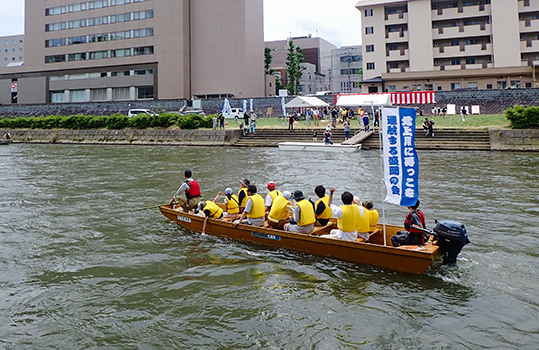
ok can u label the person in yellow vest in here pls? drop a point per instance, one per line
(280, 211)
(348, 218)
(232, 205)
(303, 217)
(364, 220)
(242, 193)
(322, 211)
(254, 212)
(211, 210)
(373, 214)
(271, 196)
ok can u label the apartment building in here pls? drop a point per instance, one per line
(118, 50)
(449, 44)
(11, 50)
(316, 51)
(346, 69)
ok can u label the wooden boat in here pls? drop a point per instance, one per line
(409, 259)
(317, 147)
(5, 142)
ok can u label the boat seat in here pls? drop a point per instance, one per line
(318, 229)
(361, 240)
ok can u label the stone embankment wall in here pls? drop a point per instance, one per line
(129, 136)
(514, 140)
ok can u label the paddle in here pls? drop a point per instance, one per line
(153, 206)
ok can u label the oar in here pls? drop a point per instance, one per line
(153, 206)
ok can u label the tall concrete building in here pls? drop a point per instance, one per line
(112, 50)
(346, 69)
(11, 50)
(449, 44)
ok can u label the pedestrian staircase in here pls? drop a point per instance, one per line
(444, 139)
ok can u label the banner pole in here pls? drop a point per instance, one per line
(380, 118)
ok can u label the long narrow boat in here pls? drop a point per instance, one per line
(317, 147)
(5, 142)
(409, 259)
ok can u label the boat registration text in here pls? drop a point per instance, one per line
(181, 218)
(265, 235)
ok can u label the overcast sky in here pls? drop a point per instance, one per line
(336, 21)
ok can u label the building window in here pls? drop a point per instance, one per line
(370, 65)
(369, 13)
(455, 62)
(528, 85)
(78, 95)
(391, 88)
(120, 93)
(145, 92)
(470, 61)
(515, 84)
(416, 87)
(489, 86)
(455, 86)
(57, 96)
(473, 85)
(501, 84)
(429, 87)
(439, 88)
(99, 94)
(369, 48)
(369, 30)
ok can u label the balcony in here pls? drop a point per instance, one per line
(397, 18)
(464, 66)
(529, 46)
(460, 12)
(398, 70)
(462, 50)
(529, 25)
(397, 55)
(533, 6)
(461, 31)
(396, 37)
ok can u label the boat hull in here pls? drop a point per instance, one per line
(317, 147)
(374, 253)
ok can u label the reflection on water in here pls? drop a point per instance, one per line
(81, 269)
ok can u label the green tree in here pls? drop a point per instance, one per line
(294, 69)
(268, 58)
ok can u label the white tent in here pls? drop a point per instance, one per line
(302, 101)
(364, 100)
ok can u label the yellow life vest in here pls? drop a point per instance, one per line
(215, 210)
(244, 200)
(307, 213)
(259, 209)
(279, 209)
(233, 204)
(327, 213)
(350, 218)
(373, 219)
(364, 222)
(274, 194)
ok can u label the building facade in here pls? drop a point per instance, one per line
(117, 50)
(449, 44)
(316, 51)
(11, 50)
(346, 69)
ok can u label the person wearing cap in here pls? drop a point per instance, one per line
(210, 210)
(348, 217)
(232, 205)
(188, 194)
(373, 215)
(414, 224)
(280, 211)
(322, 211)
(303, 217)
(270, 197)
(254, 213)
(242, 193)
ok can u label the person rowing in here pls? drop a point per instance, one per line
(188, 194)
(211, 210)
(254, 213)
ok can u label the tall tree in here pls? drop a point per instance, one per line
(268, 58)
(294, 69)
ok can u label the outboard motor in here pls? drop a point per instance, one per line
(452, 237)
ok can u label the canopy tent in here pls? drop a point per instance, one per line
(302, 101)
(363, 100)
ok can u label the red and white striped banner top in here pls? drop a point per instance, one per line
(413, 97)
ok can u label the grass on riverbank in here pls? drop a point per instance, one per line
(452, 121)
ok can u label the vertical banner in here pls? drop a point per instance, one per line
(251, 105)
(244, 107)
(282, 106)
(226, 107)
(400, 158)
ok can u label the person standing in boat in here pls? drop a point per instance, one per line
(348, 217)
(303, 217)
(270, 197)
(242, 193)
(188, 194)
(322, 211)
(280, 211)
(211, 210)
(254, 213)
(414, 224)
(232, 205)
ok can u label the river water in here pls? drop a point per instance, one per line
(80, 268)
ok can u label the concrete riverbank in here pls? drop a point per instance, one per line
(450, 139)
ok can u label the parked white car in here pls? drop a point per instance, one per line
(236, 113)
(134, 112)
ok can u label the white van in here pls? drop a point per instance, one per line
(236, 113)
(134, 112)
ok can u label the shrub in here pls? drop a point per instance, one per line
(117, 121)
(523, 117)
(192, 121)
(140, 121)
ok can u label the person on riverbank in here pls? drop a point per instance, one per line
(232, 205)
(214, 120)
(376, 119)
(252, 126)
(188, 194)
(366, 122)
(322, 211)
(414, 225)
(348, 217)
(315, 134)
(280, 211)
(327, 137)
(290, 122)
(242, 193)
(303, 218)
(221, 121)
(254, 213)
(463, 113)
(346, 130)
(210, 210)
